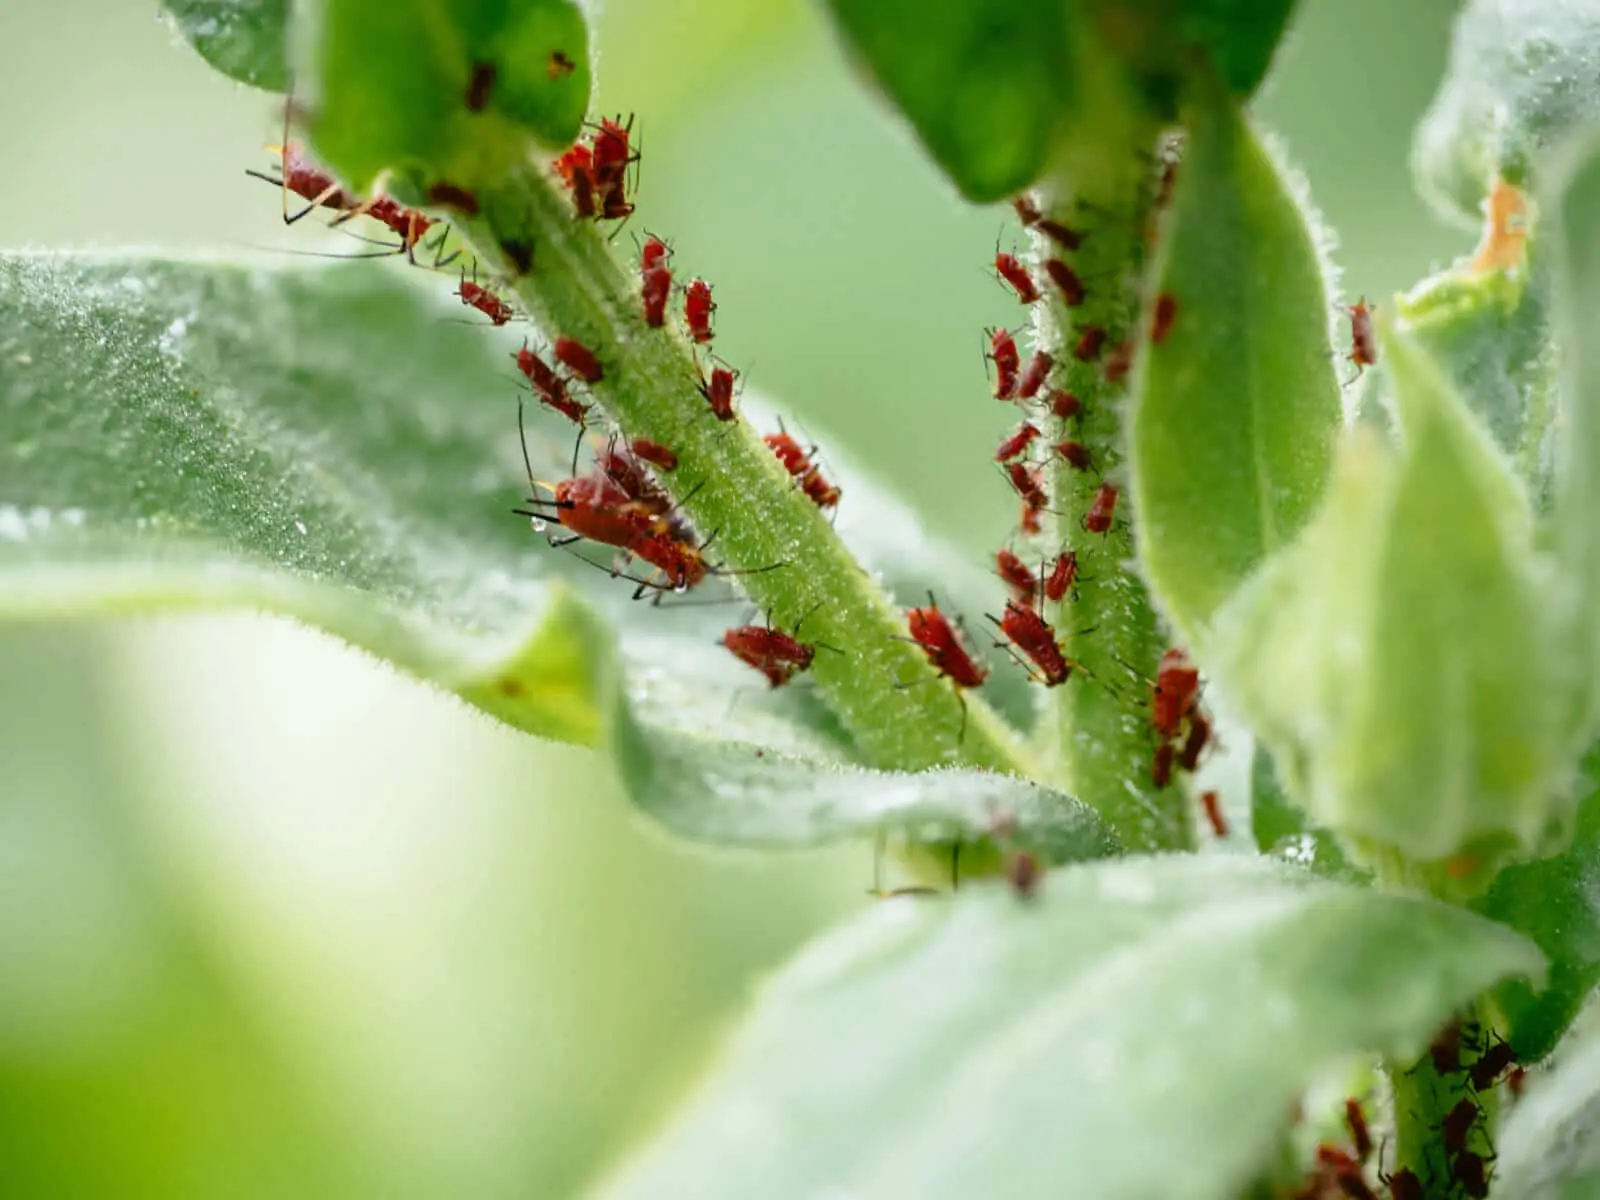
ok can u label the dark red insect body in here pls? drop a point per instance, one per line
(1027, 212)
(1027, 485)
(654, 253)
(1457, 1125)
(1064, 404)
(1472, 1173)
(1343, 1171)
(1360, 1135)
(1177, 686)
(1212, 806)
(480, 86)
(1036, 639)
(1031, 519)
(1015, 574)
(1063, 236)
(1075, 454)
(595, 507)
(578, 359)
(1403, 1185)
(1194, 744)
(697, 309)
(932, 630)
(1363, 341)
(476, 296)
(307, 181)
(1007, 363)
(654, 453)
(1090, 343)
(1161, 765)
(1023, 874)
(407, 223)
(822, 493)
(1488, 1069)
(1062, 575)
(718, 391)
(1067, 281)
(1101, 510)
(1161, 319)
(1516, 1081)
(451, 195)
(771, 651)
(576, 168)
(1446, 1048)
(1119, 362)
(655, 289)
(1019, 441)
(549, 387)
(1010, 268)
(1033, 378)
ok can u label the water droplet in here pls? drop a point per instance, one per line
(681, 587)
(301, 527)
(538, 524)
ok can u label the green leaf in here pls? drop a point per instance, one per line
(1576, 204)
(1234, 413)
(710, 789)
(1554, 902)
(396, 82)
(1140, 1029)
(1522, 76)
(983, 84)
(246, 40)
(1550, 1142)
(331, 443)
(1399, 658)
(1281, 830)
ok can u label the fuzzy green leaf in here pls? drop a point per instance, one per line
(1140, 1029)
(1550, 1142)
(334, 444)
(706, 788)
(1555, 903)
(1234, 412)
(1398, 658)
(401, 85)
(246, 40)
(1523, 75)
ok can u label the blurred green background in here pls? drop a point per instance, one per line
(273, 920)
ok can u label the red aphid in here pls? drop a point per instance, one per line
(1161, 765)
(612, 155)
(1064, 404)
(697, 309)
(1036, 639)
(1019, 441)
(1067, 282)
(771, 651)
(1363, 341)
(655, 289)
(1023, 873)
(718, 391)
(1101, 510)
(1075, 454)
(654, 253)
(1177, 686)
(1027, 485)
(789, 452)
(1033, 378)
(1488, 1069)
(595, 507)
(1062, 575)
(409, 224)
(1403, 1185)
(453, 195)
(1119, 362)
(1007, 363)
(1027, 212)
(307, 181)
(1090, 343)
(940, 641)
(1457, 1125)
(1446, 1048)
(1472, 1173)
(1015, 574)
(1195, 744)
(578, 359)
(1360, 1135)
(1344, 1172)
(1031, 521)
(654, 453)
(1010, 268)
(548, 386)
(1516, 1081)
(1061, 235)
(1212, 806)
(476, 296)
(1161, 319)
(576, 168)
(822, 493)
(676, 558)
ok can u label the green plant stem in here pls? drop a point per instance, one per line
(735, 491)
(1096, 731)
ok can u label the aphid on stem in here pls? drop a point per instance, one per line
(1064, 404)
(1039, 367)
(1015, 574)
(1360, 1135)
(1007, 362)
(661, 457)
(1026, 483)
(1090, 343)
(1010, 269)
(578, 359)
(1162, 316)
(718, 391)
(1062, 574)
(1035, 638)
(1363, 340)
(1075, 455)
(1017, 443)
(475, 295)
(1194, 744)
(697, 309)
(1068, 282)
(480, 86)
(1101, 510)
(1212, 807)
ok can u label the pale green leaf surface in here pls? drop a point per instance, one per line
(246, 40)
(1234, 413)
(1550, 1142)
(1140, 1029)
(1523, 76)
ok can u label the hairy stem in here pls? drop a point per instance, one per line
(735, 491)
(1096, 731)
